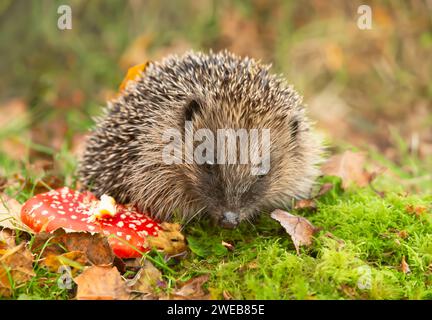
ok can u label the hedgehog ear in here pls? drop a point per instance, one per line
(192, 108)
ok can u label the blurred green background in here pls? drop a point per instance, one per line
(367, 88)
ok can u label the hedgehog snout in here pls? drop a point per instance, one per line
(230, 219)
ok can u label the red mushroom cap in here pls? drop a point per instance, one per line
(72, 210)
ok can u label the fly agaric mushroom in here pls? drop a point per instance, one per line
(75, 211)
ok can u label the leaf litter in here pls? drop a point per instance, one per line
(299, 228)
(16, 263)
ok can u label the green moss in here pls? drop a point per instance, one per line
(356, 255)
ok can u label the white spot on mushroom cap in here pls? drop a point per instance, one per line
(36, 206)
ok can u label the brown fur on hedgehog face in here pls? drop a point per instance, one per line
(123, 156)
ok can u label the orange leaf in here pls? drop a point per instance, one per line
(132, 74)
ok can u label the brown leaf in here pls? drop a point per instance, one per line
(326, 187)
(101, 283)
(306, 204)
(146, 280)
(16, 262)
(192, 289)
(133, 74)
(417, 210)
(95, 246)
(169, 239)
(227, 245)
(76, 260)
(7, 238)
(10, 210)
(226, 295)
(119, 264)
(348, 291)
(404, 266)
(349, 167)
(299, 228)
(403, 234)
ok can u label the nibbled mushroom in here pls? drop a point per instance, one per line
(74, 211)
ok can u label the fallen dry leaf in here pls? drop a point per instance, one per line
(192, 289)
(348, 291)
(299, 228)
(10, 210)
(349, 166)
(101, 283)
(76, 260)
(403, 234)
(326, 187)
(95, 246)
(169, 239)
(226, 295)
(146, 280)
(16, 262)
(132, 74)
(7, 238)
(310, 203)
(404, 266)
(306, 204)
(417, 210)
(227, 245)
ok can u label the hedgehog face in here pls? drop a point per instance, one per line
(229, 194)
(235, 191)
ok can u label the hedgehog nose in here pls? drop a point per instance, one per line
(230, 219)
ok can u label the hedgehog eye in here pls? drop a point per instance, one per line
(262, 173)
(209, 166)
(192, 108)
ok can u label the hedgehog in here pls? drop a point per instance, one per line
(124, 154)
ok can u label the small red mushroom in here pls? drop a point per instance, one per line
(75, 211)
